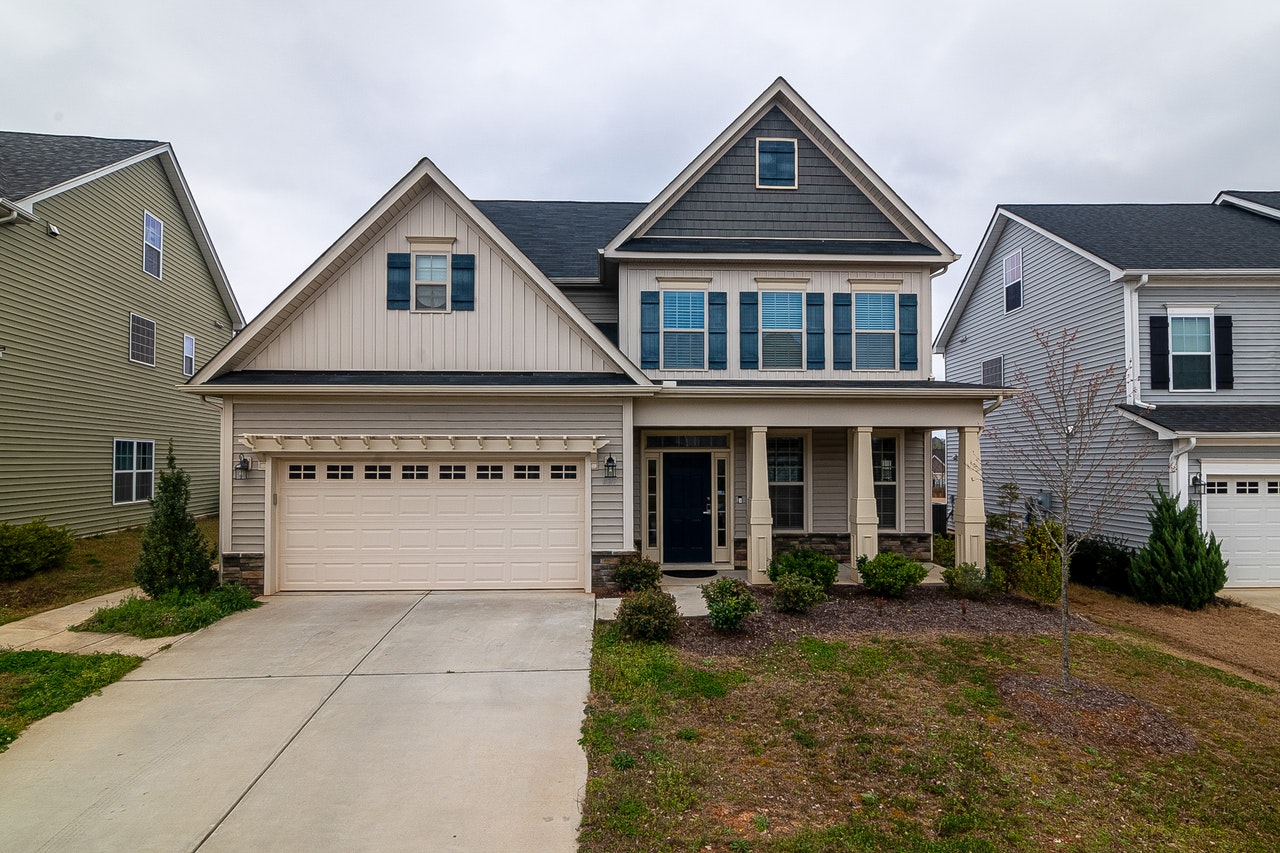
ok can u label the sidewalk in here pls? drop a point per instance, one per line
(48, 631)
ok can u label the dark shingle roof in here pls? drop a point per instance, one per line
(752, 246)
(31, 162)
(561, 237)
(1211, 418)
(1163, 236)
(1266, 199)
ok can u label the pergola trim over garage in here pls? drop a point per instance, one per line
(417, 444)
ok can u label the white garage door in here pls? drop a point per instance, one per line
(1244, 513)
(426, 524)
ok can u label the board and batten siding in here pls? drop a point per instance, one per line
(67, 386)
(346, 325)
(370, 417)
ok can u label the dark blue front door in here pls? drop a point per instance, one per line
(686, 507)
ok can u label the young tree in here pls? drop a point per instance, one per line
(1065, 436)
(175, 554)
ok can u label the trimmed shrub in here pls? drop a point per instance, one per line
(806, 562)
(636, 572)
(1102, 563)
(175, 555)
(27, 549)
(796, 594)
(1039, 564)
(648, 614)
(1178, 565)
(944, 549)
(891, 574)
(966, 580)
(729, 601)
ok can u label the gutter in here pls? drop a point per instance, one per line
(997, 404)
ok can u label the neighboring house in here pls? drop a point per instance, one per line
(1184, 299)
(509, 394)
(111, 296)
(939, 474)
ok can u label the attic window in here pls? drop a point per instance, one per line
(430, 282)
(776, 164)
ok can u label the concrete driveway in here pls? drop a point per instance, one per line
(384, 722)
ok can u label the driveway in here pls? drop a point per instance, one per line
(384, 722)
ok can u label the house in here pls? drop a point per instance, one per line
(1184, 298)
(471, 394)
(111, 297)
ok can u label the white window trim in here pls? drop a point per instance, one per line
(807, 435)
(1007, 283)
(159, 275)
(893, 332)
(779, 283)
(874, 285)
(155, 344)
(1194, 309)
(135, 442)
(414, 283)
(803, 330)
(683, 286)
(795, 178)
(185, 339)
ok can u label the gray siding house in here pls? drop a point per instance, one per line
(513, 394)
(111, 296)
(1184, 299)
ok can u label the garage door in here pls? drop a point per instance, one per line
(1244, 513)
(426, 524)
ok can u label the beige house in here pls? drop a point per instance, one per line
(111, 297)
(467, 394)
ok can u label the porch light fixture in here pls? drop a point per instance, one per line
(240, 470)
(1197, 485)
(610, 468)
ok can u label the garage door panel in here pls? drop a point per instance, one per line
(1244, 513)
(453, 506)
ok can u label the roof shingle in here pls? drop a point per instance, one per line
(32, 162)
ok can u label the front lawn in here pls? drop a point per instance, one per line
(35, 684)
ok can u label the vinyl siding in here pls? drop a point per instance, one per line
(67, 386)
(598, 303)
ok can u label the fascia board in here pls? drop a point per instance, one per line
(791, 392)
(1202, 273)
(757, 257)
(1251, 206)
(557, 391)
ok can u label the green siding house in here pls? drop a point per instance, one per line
(111, 297)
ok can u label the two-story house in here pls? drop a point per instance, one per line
(509, 394)
(111, 296)
(1184, 301)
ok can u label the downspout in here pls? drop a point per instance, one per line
(10, 219)
(1177, 457)
(1133, 342)
(998, 403)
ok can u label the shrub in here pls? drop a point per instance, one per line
(1102, 563)
(1003, 559)
(1039, 564)
(26, 549)
(944, 549)
(966, 580)
(175, 555)
(806, 562)
(796, 594)
(636, 572)
(729, 601)
(648, 614)
(1178, 565)
(891, 574)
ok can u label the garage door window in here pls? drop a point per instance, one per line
(488, 472)
(1215, 487)
(453, 472)
(377, 472)
(413, 472)
(340, 472)
(528, 472)
(302, 472)
(1273, 487)
(564, 472)
(1246, 487)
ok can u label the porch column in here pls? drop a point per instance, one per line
(760, 516)
(864, 522)
(970, 512)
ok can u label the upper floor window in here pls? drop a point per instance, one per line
(684, 323)
(142, 340)
(781, 330)
(188, 355)
(152, 244)
(1013, 282)
(430, 282)
(993, 372)
(875, 340)
(134, 468)
(1191, 353)
(776, 164)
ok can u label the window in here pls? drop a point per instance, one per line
(684, 319)
(527, 472)
(488, 472)
(142, 340)
(302, 472)
(1013, 282)
(781, 331)
(1273, 487)
(874, 340)
(1191, 353)
(134, 471)
(884, 476)
(377, 472)
(414, 472)
(430, 282)
(564, 472)
(993, 372)
(188, 355)
(776, 164)
(785, 461)
(152, 244)
(340, 472)
(453, 472)
(1215, 487)
(1246, 487)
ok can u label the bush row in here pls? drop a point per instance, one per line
(26, 549)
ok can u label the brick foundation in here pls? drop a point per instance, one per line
(244, 569)
(602, 565)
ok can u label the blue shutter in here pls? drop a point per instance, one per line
(717, 331)
(462, 290)
(398, 281)
(816, 331)
(649, 331)
(908, 334)
(749, 330)
(1159, 352)
(842, 331)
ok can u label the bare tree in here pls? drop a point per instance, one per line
(1066, 435)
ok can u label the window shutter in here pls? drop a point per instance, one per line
(649, 331)
(908, 332)
(815, 332)
(1159, 352)
(842, 331)
(717, 331)
(749, 330)
(1223, 353)
(463, 286)
(397, 281)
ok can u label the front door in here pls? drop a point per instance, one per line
(686, 507)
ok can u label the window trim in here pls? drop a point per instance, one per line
(883, 332)
(807, 460)
(155, 336)
(135, 470)
(667, 288)
(795, 163)
(1008, 282)
(1194, 310)
(188, 370)
(158, 275)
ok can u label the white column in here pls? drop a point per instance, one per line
(864, 522)
(760, 515)
(970, 512)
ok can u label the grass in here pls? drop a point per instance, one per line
(35, 684)
(98, 565)
(905, 743)
(170, 614)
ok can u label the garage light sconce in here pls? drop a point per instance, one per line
(1197, 485)
(610, 468)
(241, 469)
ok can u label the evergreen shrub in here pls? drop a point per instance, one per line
(1178, 565)
(636, 572)
(966, 580)
(729, 601)
(891, 574)
(806, 562)
(796, 594)
(27, 549)
(1102, 563)
(1039, 564)
(175, 556)
(648, 614)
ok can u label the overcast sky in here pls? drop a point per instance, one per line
(290, 119)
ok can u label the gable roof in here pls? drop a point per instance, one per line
(37, 166)
(913, 235)
(1265, 203)
(563, 238)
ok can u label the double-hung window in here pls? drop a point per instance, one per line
(781, 330)
(134, 471)
(1190, 352)
(142, 340)
(430, 282)
(152, 244)
(188, 355)
(776, 164)
(784, 457)
(1013, 282)
(875, 327)
(684, 324)
(884, 476)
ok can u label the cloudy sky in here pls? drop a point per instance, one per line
(290, 119)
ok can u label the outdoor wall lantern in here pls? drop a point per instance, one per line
(1197, 485)
(610, 468)
(241, 469)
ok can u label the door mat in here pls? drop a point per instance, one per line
(689, 573)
